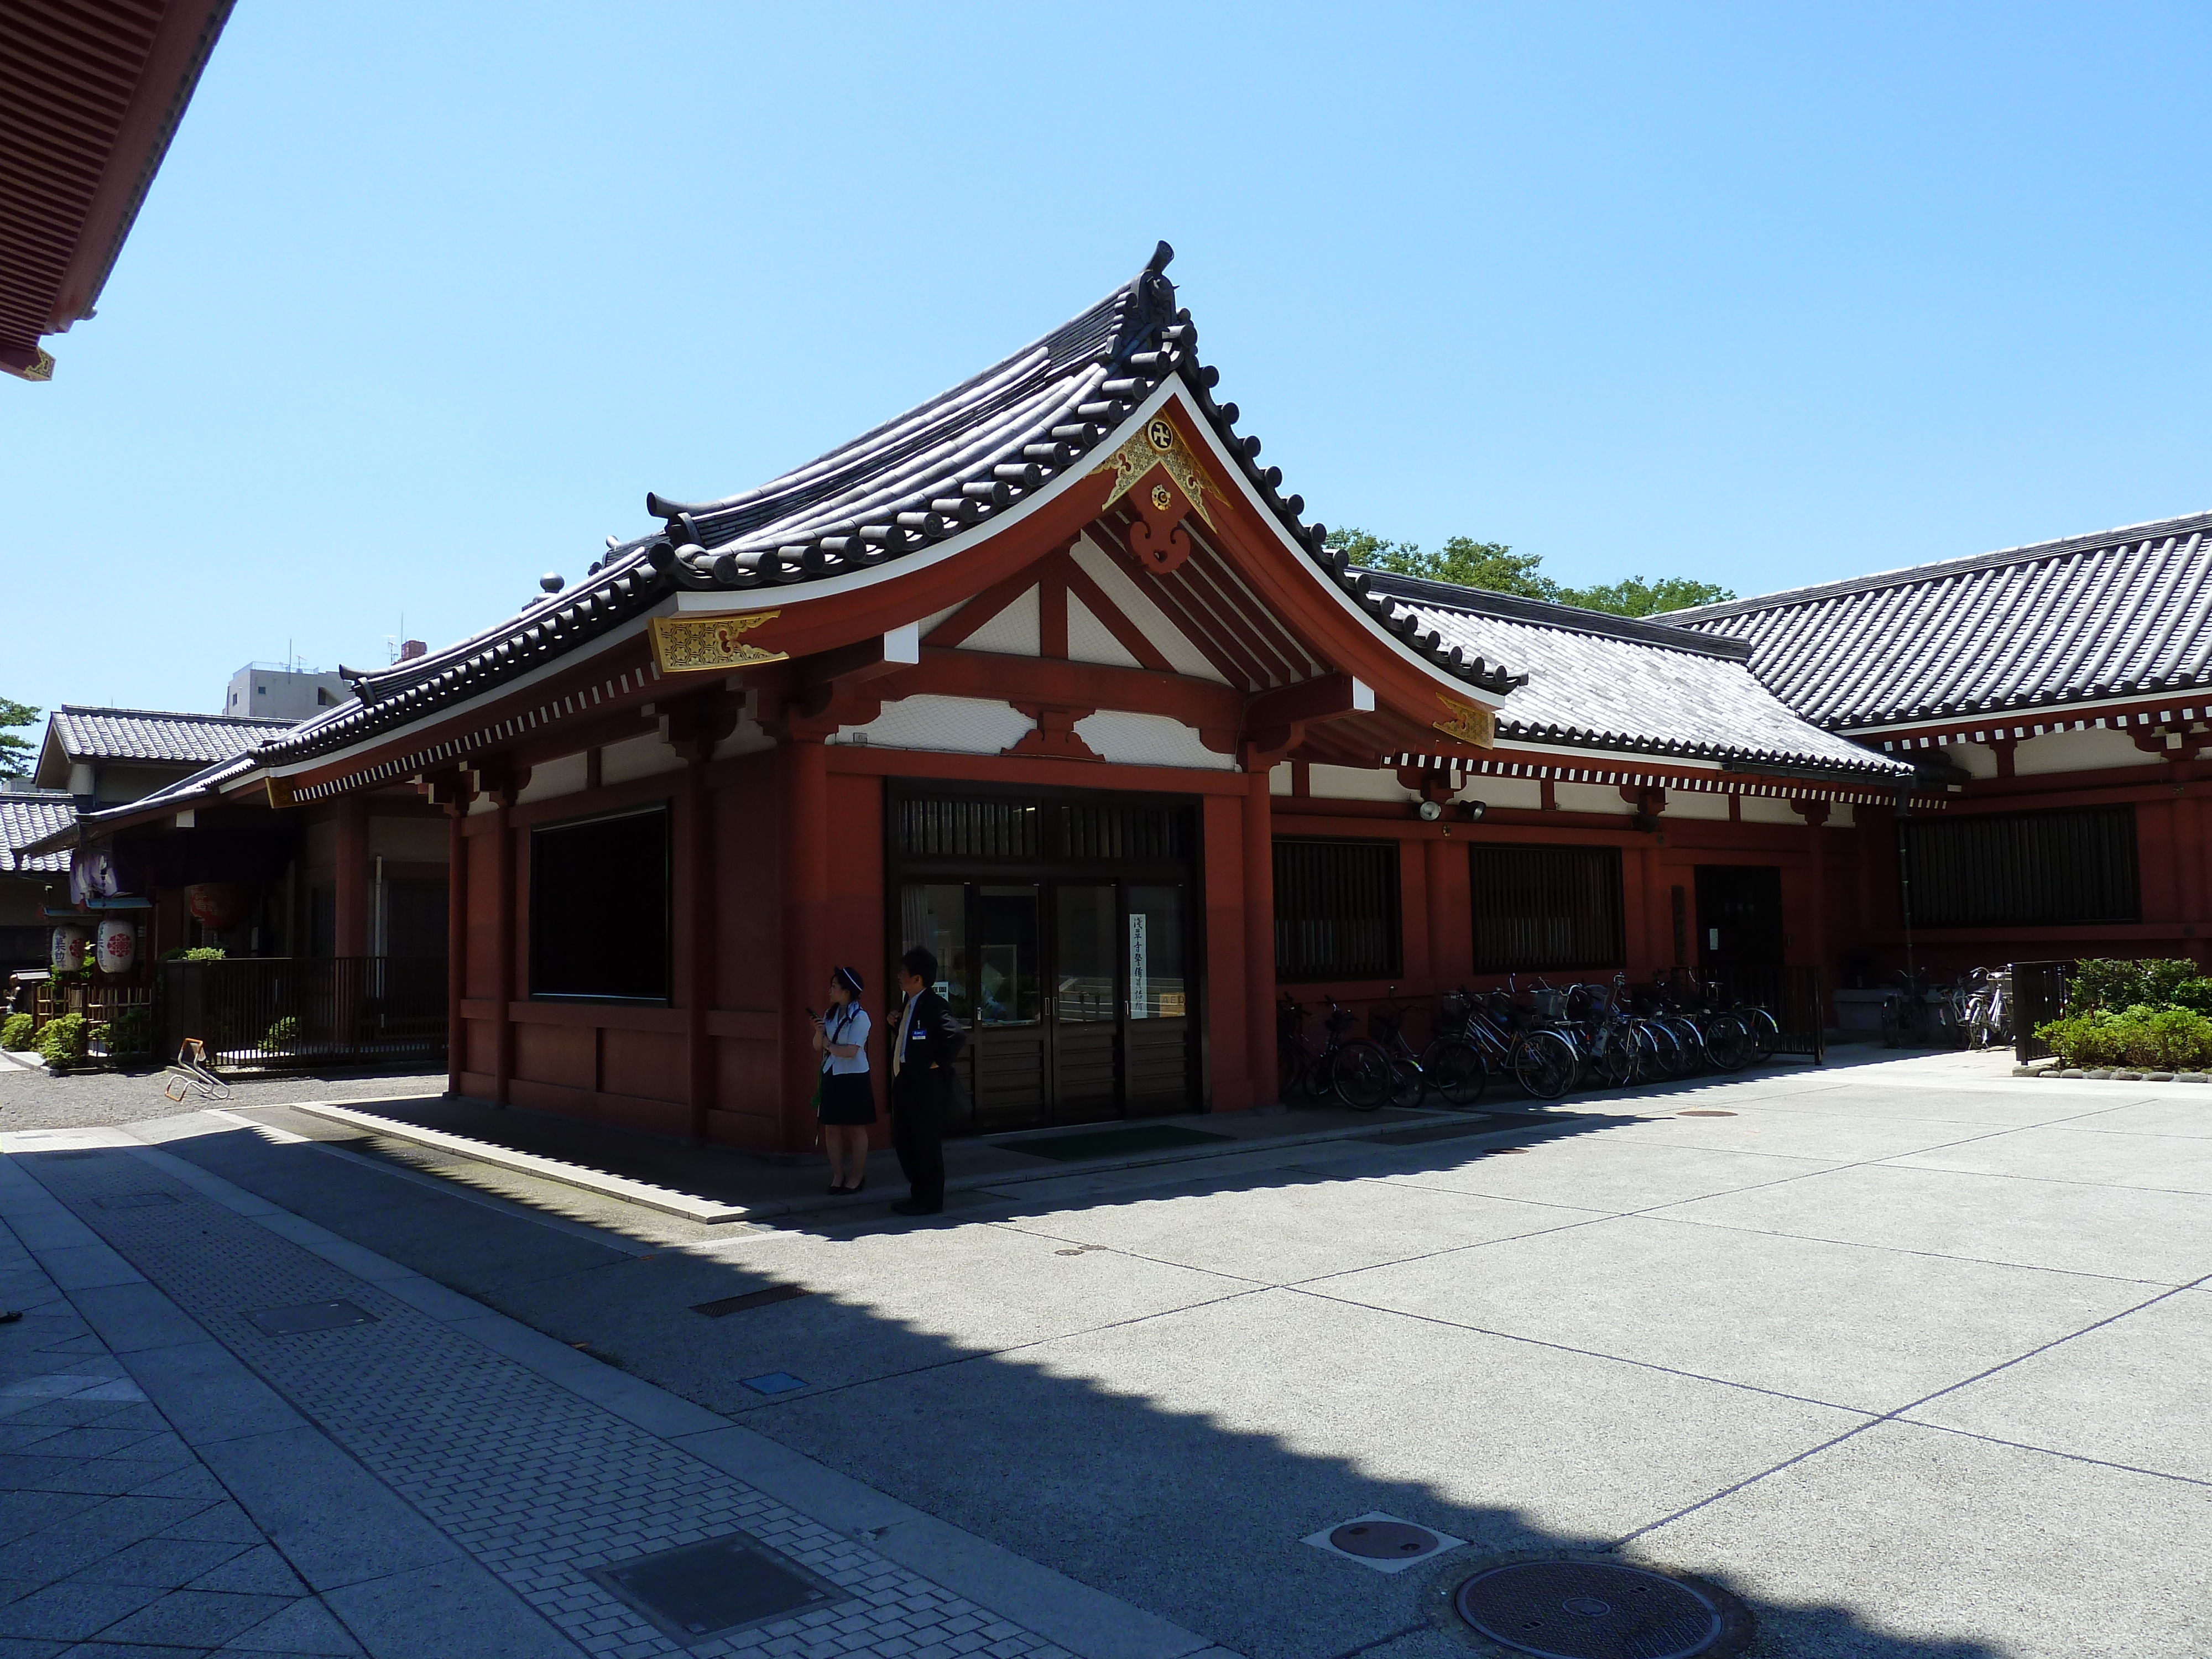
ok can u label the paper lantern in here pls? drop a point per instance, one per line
(70, 944)
(119, 946)
(219, 904)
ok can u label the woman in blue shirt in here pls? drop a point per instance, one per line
(847, 1101)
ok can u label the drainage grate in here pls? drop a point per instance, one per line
(311, 1316)
(730, 1304)
(80, 1152)
(1555, 1608)
(136, 1201)
(725, 1584)
(1704, 1111)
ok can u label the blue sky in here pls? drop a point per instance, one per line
(426, 298)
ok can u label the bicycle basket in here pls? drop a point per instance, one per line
(1341, 1022)
(1549, 1004)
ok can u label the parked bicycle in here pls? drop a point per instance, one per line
(1356, 1070)
(1512, 1040)
(1917, 1012)
(1981, 1007)
(1450, 1066)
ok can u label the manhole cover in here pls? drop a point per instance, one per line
(1561, 1609)
(311, 1316)
(701, 1591)
(136, 1201)
(1384, 1540)
(774, 1383)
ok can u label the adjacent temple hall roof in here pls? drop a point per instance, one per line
(2122, 613)
(28, 818)
(1616, 683)
(156, 735)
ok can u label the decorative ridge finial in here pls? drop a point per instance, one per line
(1151, 306)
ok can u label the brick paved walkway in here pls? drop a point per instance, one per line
(536, 1483)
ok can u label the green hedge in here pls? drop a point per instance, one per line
(15, 1033)
(2149, 1015)
(62, 1041)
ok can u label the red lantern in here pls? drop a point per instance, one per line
(219, 904)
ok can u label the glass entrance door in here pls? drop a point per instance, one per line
(1085, 1009)
(1075, 995)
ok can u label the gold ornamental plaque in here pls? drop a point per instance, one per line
(690, 645)
(1468, 721)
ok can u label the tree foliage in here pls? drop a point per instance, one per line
(1495, 567)
(14, 752)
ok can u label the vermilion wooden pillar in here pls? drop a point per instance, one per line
(1260, 934)
(352, 932)
(695, 917)
(457, 943)
(806, 920)
(1816, 814)
(503, 989)
(1445, 962)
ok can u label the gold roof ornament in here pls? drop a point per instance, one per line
(689, 645)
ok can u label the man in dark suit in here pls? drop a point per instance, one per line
(928, 1041)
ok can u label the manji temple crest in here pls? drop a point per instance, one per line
(1051, 676)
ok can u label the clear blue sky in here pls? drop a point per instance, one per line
(427, 297)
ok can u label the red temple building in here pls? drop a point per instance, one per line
(1050, 676)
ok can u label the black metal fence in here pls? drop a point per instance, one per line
(2038, 995)
(1794, 996)
(271, 1013)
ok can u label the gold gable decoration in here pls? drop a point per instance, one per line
(690, 645)
(1469, 722)
(1158, 444)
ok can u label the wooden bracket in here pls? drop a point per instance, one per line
(1157, 537)
(1055, 737)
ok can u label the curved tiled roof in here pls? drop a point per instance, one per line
(1616, 684)
(957, 461)
(28, 818)
(155, 734)
(2120, 613)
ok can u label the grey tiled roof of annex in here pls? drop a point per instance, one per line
(154, 734)
(1626, 685)
(2120, 613)
(28, 818)
(958, 460)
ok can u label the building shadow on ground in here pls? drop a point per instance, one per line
(1165, 1439)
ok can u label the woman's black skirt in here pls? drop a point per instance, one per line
(848, 1098)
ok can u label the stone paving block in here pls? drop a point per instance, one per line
(258, 1572)
(303, 1627)
(203, 1389)
(435, 1612)
(204, 1619)
(131, 1316)
(167, 1563)
(223, 1522)
(73, 1612)
(334, 1522)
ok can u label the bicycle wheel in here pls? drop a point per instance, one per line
(1455, 1070)
(1765, 1032)
(1544, 1064)
(1291, 1066)
(1892, 1022)
(1408, 1086)
(1361, 1074)
(1615, 1059)
(1657, 1052)
(1727, 1044)
(1689, 1045)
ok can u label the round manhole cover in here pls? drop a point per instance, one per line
(1384, 1540)
(1566, 1609)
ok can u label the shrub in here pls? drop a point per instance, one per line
(198, 953)
(130, 1032)
(280, 1036)
(15, 1033)
(62, 1041)
(2142, 1037)
(2104, 982)
(2194, 994)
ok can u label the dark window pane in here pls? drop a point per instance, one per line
(2023, 869)
(1540, 909)
(599, 907)
(1336, 909)
(414, 919)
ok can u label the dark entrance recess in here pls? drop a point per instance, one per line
(1064, 934)
(1739, 916)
